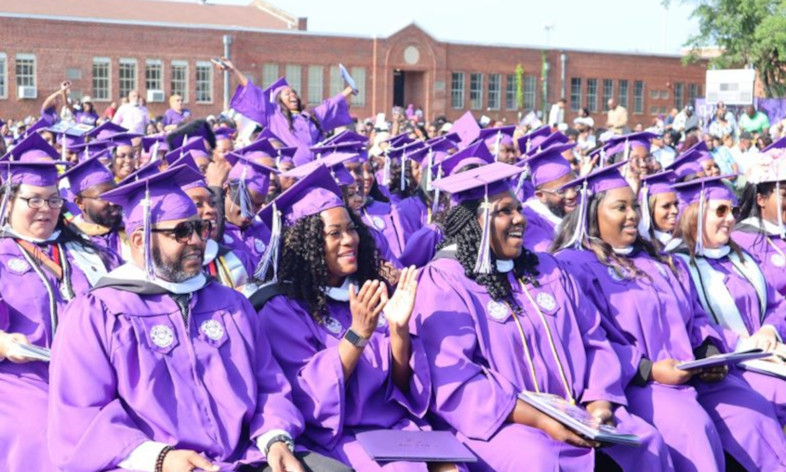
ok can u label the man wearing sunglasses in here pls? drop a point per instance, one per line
(161, 368)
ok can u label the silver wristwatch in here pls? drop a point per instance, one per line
(280, 438)
(355, 339)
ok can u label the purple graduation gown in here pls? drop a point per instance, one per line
(771, 259)
(539, 233)
(656, 317)
(128, 369)
(254, 103)
(24, 303)
(385, 218)
(422, 245)
(413, 213)
(336, 409)
(477, 366)
(252, 240)
(89, 118)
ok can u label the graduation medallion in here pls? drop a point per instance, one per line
(18, 266)
(228, 239)
(778, 260)
(546, 301)
(378, 222)
(497, 310)
(212, 329)
(333, 325)
(162, 335)
(614, 275)
(259, 245)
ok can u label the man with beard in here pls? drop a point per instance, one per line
(99, 219)
(550, 171)
(160, 367)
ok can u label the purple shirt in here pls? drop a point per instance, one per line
(86, 118)
(172, 117)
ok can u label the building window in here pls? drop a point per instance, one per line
(154, 75)
(180, 79)
(664, 94)
(638, 97)
(126, 74)
(476, 91)
(269, 74)
(3, 75)
(608, 91)
(25, 70)
(359, 74)
(622, 100)
(530, 92)
(575, 93)
(495, 86)
(457, 90)
(679, 96)
(510, 92)
(102, 79)
(293, 74)
(204, 82)
(693, 93)
(316, 90)
(592, 95)
(336, 81)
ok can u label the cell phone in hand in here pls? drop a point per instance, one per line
(219, 62)
(66, 84)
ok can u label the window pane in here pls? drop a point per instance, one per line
(623, 94)
(3, 76)
(693, 93)
(457, 90)
(25, 71)
(180, 79)
(530, 85)
(154, 75)
(101, 79)
(495, 84)
(359, 74)
(476, 91)
(127, 76)
(510, 92)
(679, 98)
(592, 95)
(315, 84)
(293, 74)
(575, 93)
(608, 91)
(638, 97)
(269, 74)
(204, 82)
(336, 81)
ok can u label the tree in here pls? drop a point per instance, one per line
(519, 87)
(748, 32)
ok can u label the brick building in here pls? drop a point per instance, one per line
(107, 47)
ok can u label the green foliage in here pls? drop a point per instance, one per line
(748, 32)
(519, 87)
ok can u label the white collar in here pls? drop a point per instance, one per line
(503, 265)
(664, 238)
(9, 231)
(211, 252)
(130, 271)
(770, 228)
(538, 207)
(716, 253)
(623, 251)
(339, 294)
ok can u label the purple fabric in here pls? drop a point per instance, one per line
(385, 218)
(172, 117)
(414, 215)
(113, 385)
(549, 165)
(539, 233)
(255, 104)
(87, 174)
(768, 258)
(477, 367)
(422, 246)
(335, 408)
(86, 118)
(253, 239)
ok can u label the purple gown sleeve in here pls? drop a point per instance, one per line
(316, 375)
(253, 102)
(5, 319)
(332, 113)
(776, 310)
(421, 246)
(467, 394)
(416, 400)
(89, 429)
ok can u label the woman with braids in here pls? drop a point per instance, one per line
(494, 320)
(349, 363)
(43, 265)
(279, 108)
(653, 319)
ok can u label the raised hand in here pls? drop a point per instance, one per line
(366, 305)
(399, 308)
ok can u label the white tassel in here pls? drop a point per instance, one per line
(403, 172)
(154, 151)
(483, 262)
(580, 232)
(147, 233)
(270, 257)
(645, 222)
(700, 226)
(429, 177)
(779, 206)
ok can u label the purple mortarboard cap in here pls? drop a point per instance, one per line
(188, 161)
(335, 164)
(254, 176)
(312, 194)
(503, 133)
(437, 147)
(356, 148)
(541, 144)
(267, 134)
(40, 125)
(92, 148)
(601, 180)
(348, 79)
(149, 141)
(86, 174)
(689, 162)
(400, 140)
(276, 88)
(124, 139)
(105, 131)
(195, 145)
(532, 139)
(33, 148)
(346, 136)
(549, 165)
(258, 149)
(660, 182)
(451, 136)
(477, 153)
(225, 132)
(148, 170)
(31, 162)
(69, 141)
(778, 144)
(167, 201)
(712, 188)
(467, 128)
(641, 139)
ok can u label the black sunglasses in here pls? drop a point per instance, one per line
(182, 232)
(724, 210)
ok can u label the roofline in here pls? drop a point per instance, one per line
(161, 24)
(276, 12)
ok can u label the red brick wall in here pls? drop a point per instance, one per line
(60, 45)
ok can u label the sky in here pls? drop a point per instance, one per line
(603, 25)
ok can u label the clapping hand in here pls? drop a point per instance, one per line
(398, 310)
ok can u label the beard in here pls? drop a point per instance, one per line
(173, 270)
(556, 208)
(106, 220)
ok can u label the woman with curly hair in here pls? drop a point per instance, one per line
(495, 320)
(650, 310)
(350, 366)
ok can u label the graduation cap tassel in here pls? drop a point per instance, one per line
(700, 226)
(779, 206)
(403, 172)
(63, 150)
(522, 178)
(429, 177)
(278, 158)
(86, 155)
(602, 157)
(386, 170)
(185, 140)
(270, 257)
(496, 146)
(6, 197)
(243, 195)
(435, 203)
(154, 151)
(483, 263)
(645, 222)
(580, 232)
(147, 233)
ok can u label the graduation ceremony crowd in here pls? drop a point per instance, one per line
(253, 292)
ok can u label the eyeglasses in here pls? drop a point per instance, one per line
(131, 157)
(182, 232)
(562, 192)
(38, 202)
(724, 210)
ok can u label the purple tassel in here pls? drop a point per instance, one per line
(483, 263)
(270, 257)
(150, 270)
